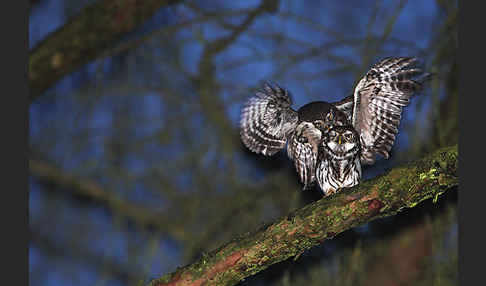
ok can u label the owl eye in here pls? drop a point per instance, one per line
(302, 139)
(330, 116)
(348, 136)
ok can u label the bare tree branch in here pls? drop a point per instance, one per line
(86, 37)
(92, 191)
(213, 107)
(400, 188)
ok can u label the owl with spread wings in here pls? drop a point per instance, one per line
(329, 141)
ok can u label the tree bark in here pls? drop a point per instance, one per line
(85, 38)
(400, 188)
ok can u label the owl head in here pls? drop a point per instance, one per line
(322, 115)
(341, 141)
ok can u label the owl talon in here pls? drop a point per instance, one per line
(329, 192)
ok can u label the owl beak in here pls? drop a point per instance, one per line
(340, 139)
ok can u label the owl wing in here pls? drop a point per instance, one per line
(378, 101)
(267, 120)
(305, 154)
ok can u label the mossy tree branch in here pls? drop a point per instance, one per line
(400, 188)
(85, 38)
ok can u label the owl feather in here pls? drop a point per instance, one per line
(339, 163)
(378, 102)
(267, 120)
(304, 154)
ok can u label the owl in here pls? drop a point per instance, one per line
(269, 123)
(339, 162)
(373, 112)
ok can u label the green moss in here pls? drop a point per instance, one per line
(436, 197)
(432, 174)
(413, 204)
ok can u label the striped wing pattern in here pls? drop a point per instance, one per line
(267, 120)
(379, 99)
(304, 156)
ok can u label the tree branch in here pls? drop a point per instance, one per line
(211, 105)
(86, 37)
(400, 188)
(92, 191)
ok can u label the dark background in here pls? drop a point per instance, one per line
(136, 166)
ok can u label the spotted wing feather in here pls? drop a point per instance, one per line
(267, 120)
(378, 101)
